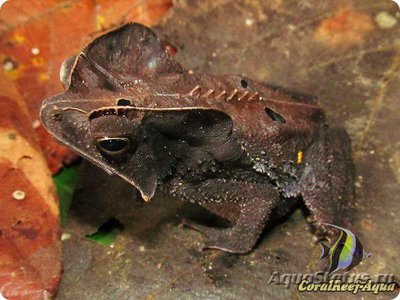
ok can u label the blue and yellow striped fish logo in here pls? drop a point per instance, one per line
(346, 253)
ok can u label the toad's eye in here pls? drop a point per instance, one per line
(113, 145)
(244, 84)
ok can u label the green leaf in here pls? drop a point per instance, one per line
(65, 184)
(107, 233)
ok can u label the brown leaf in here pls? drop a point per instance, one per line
(30, 263)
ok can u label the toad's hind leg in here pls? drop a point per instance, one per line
(327, 181)
(254, 205)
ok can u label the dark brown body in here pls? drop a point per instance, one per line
(233, 145)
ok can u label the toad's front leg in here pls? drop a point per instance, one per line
(247, 205)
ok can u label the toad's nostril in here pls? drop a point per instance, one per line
(57, 117)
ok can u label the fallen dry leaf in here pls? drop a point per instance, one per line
(30, 251)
